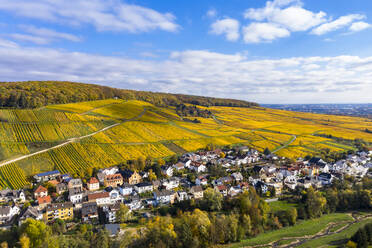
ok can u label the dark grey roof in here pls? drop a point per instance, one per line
(113, 229)
(89, 208)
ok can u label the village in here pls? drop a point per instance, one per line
(56, 196)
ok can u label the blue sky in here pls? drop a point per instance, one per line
(278, 51)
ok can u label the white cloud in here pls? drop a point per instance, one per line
(49, 33)
(297, 79)
(211, 13)
(359, 26)
(104, 15)
(293, 17)
(339, 23)
(42, 36)
(263, 32)
(8, 43)
(228, 27)
(30, 38)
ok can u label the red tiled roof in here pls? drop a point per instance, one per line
(221, 187)
(94, 196)
(40, 189)
(44, 199)
(114, 177)
(53, 182)
(93, 180)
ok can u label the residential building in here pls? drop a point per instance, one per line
(201, 180)
(63, 211)
(113, 180)
(126, 189)
(8, 195)
(167, 170)
(143, 187)
(61, 188)
(181, 196)
(40, 192)
(46, 176)
(89, 211)
(131, 177)
(7, 213)
(171, 183)
(101, 198)
(198, 167)
(164, 197)
(237, 176)
(110, 212)
(113, 229)
(75, 183)
(75, 195)
(179, 166)
(30, 213)
(197, 192)
(221, 189)
(93, 184)
(43, 201)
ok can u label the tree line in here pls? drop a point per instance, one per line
(34, 94)
(193, 111)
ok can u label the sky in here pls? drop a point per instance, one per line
(277, 51)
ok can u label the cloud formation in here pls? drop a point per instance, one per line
(339, 23)
(359, 26)
(42, 36)
(279, 18)
(263, 32)
(290, 80)
(104, 15)
(228, 27)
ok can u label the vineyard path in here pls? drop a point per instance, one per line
(69, 141)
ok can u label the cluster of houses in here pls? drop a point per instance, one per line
(101, 196)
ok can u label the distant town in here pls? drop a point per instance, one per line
(361, 110)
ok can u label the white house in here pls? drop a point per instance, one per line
(101, 198)
(167, 170)
(164, 197)
(201, 180)
(75, 195)
(179, 166)
(181, 196)
(7, 213)
(198, 167)
(12, 195)
(171, 183)
(126, 189)
(143, 187)
(237, 176)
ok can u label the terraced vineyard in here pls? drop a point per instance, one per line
(75, 137)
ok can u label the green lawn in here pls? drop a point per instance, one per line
(307, 227)
(337, 239)
(281, 205)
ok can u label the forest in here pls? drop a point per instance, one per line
(34, 94)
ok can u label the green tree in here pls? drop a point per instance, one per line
(24, 241)
(267, 151)
(212, 200)
(123, 214)
(102, 239)
(37, 231)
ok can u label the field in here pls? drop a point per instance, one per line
(107, 132)
(308, 227)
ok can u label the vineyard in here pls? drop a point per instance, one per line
(103, 133)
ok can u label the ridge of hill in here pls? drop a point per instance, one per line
(33, 94)
(75, 137)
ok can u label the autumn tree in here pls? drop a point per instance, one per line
(124, 214)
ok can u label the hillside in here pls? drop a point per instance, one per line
(74, 137)
(35, 94)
